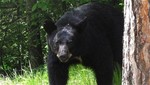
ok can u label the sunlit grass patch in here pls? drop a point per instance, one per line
(78, 75)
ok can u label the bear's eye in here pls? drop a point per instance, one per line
(57, 42)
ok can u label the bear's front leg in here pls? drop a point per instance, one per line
(104, 72)
(57, 71)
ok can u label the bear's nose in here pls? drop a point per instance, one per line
(63, 58)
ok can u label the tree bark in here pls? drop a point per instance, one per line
(35, 46)
(136, 47)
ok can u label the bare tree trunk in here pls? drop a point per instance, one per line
(136, 52)
(35, 46)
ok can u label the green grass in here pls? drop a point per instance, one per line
(78, 76)
(81, 76)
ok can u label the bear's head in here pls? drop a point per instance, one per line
(62, 43)
(63, 40)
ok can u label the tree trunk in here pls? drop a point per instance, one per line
(35, 46)
(136, 52)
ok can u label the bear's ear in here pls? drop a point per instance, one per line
(49, 26)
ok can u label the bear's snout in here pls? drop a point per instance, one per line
(63, 53)
(63, 58)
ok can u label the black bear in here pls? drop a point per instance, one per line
(90, 34)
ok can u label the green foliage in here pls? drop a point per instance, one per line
(41, 4)
(78, 74)
(13, 38)
(117, 75)
(30, 77)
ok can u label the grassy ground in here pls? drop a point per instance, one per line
(78, 76)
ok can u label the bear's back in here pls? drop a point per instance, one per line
(85, 11)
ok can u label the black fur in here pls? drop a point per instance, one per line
(91, 33)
